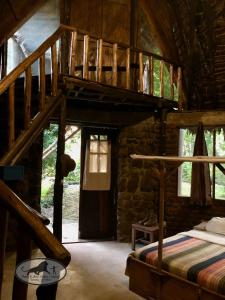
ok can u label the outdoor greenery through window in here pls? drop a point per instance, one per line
(215, 142)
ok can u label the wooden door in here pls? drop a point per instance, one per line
(97, 213)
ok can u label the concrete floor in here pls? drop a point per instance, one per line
(96, 272)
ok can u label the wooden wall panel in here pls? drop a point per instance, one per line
(116, 20)
(109, 19)
(87, 15)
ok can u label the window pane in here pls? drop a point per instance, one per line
(103, 147)
(93, 163)
(186, 147)
(219, 176)
(93, 146)
(103, 163)
(103, 137)
(94, 137)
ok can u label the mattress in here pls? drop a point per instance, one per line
(198, 256)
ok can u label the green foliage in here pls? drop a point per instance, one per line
(74, 176)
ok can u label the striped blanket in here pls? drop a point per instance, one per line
(197, 259)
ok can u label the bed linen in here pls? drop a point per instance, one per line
(195, 255)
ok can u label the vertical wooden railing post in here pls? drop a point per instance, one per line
(140, 89)
(151, 76)
(161, 76)
(11, 114)
(179, 89)
(128, 68)
(73, 52)
(114, 67)
(99, 60)
(85, 57)
(27, 98)
(42, 84)
(171, 82)
(3, 235)
(54, 70)
(58, 185)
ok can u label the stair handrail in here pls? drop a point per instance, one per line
(45, 240)
(27, 62)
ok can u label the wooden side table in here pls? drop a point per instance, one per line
(150, 234)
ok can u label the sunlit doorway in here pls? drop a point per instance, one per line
(71, 190)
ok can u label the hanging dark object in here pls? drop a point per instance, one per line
(200, 182)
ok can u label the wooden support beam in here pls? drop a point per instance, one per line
(20, 289)
(171, 82)
(140, 89)
(161, 76)
(27, 97)
(11, 115)
(99, 60)
(54, 70)
(85, 56)
(162, 171)
(179, 89)
(42, 83)
(151, 75)
(3, 236)
(73, 52)
(187, 119)
(58, 185)
(128, 68)
(114, 67)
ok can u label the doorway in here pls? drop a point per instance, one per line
(71, 185)
(97, 215)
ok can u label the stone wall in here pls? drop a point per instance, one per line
(137, 187)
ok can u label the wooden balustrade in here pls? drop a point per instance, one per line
(143, 82)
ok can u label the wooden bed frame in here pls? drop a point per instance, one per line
(154, 283)
(146, 281)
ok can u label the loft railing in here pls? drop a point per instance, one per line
(117, 64)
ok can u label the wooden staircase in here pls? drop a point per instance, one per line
(87, 68)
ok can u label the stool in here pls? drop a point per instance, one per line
(152, 231)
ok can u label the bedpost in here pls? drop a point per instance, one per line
(162, 171)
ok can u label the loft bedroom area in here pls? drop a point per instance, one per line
(84, 86)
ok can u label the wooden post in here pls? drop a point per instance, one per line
(54, 70)
(99, 60)
(27, 97)
(179, 89)
(128, 68)
(151, 75)
(162, 171)
(3, 235)
(11, 114)
(23, 253)
(161, 74)
(58, 185)
(73, 52)
(114, 67)
(140, 72)
(171, 82)
(85, 57)
(42, 84)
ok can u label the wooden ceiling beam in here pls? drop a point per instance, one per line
(186, 119)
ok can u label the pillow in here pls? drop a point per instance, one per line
(216, 225)
(201, 226)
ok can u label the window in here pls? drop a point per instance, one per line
(98, 153)
(216, 147)
(97, 169)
